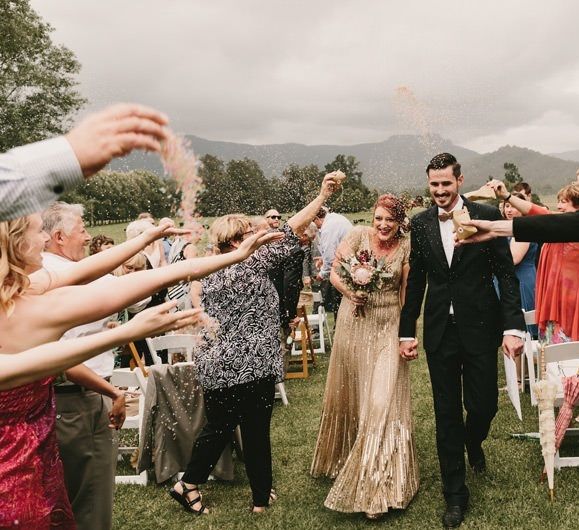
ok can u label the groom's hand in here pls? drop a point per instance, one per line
(409, 349)
(512, 346)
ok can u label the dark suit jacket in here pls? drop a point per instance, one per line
(481, 318)
(559, 228)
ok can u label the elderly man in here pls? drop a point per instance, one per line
(87, 405)
(34, 175)
(332, 228)
(273, 218)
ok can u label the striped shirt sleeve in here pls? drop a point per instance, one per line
(33, 176)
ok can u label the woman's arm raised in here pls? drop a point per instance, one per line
(54, 357)
(304, 217)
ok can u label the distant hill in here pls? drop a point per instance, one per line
(395, 164)
(542, 172)
(568, 155)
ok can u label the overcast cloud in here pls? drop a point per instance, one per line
(484, 74)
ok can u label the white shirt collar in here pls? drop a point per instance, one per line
(458, 206)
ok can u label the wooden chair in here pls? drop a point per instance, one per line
(302, 335)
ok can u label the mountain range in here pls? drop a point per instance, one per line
(394, 164)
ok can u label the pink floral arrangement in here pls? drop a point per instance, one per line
(364, 274)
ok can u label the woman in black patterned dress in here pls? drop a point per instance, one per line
(241, 364)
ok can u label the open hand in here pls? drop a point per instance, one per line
(159, 319)
(115, 132)
(165, 229)
(252, 243)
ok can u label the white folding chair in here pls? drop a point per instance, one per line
(281, 394)
(317, 320)
(562, 360)
(174, 344)
(125, 377)
(531, 352)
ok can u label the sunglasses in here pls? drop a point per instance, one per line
(274, 217)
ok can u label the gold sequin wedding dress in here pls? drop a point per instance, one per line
(365, 440)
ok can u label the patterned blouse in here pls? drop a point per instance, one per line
(246, 346)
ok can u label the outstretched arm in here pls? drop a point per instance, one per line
(97, 265)
(54, 357)
(76, 305)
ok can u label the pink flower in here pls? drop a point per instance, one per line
(362, 274)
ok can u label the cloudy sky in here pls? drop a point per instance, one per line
(483, 74)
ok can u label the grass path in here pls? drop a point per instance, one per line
(508, 497)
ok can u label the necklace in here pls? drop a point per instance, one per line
(386, 249)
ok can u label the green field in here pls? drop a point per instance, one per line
(509, 496)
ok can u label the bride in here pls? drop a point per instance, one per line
(365, 440)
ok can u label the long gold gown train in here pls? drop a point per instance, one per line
(365, 440)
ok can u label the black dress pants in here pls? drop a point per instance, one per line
(249, 406)
(459, 372)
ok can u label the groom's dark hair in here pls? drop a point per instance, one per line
(443, 160)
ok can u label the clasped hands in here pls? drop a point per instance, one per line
(409, 349)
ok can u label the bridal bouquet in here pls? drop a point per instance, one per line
(364, 274)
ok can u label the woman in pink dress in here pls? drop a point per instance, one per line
(32, 492)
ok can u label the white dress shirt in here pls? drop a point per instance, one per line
(35, 175)
(333, 230)
(103, 363)
(447, 236)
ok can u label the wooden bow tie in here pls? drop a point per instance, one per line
(445, 216)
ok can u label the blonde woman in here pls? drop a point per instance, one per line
(32, 491)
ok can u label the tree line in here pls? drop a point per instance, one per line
(238, 186)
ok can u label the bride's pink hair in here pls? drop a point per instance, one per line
(396, 208)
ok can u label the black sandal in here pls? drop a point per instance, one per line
(181, 498)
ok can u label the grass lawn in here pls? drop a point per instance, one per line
(509, 496)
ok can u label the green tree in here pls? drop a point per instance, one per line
(37, 78)
(512, 175)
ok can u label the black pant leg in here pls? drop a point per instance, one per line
(480, 399)
(255, 420)
(445, 367)
(222, 410)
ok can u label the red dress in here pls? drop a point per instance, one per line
(32, 490)
(557, 289)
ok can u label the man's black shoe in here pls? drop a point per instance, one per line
(453, 516)
(479, 468)
(477, 461)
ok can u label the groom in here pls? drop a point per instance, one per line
(464, 323)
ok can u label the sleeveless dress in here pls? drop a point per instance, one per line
(365, 440)
(32, 490)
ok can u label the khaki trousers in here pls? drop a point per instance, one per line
(88, 449)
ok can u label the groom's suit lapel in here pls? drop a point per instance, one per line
(434, 237)
(458, 251)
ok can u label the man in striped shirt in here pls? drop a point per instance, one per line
(34, 175)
